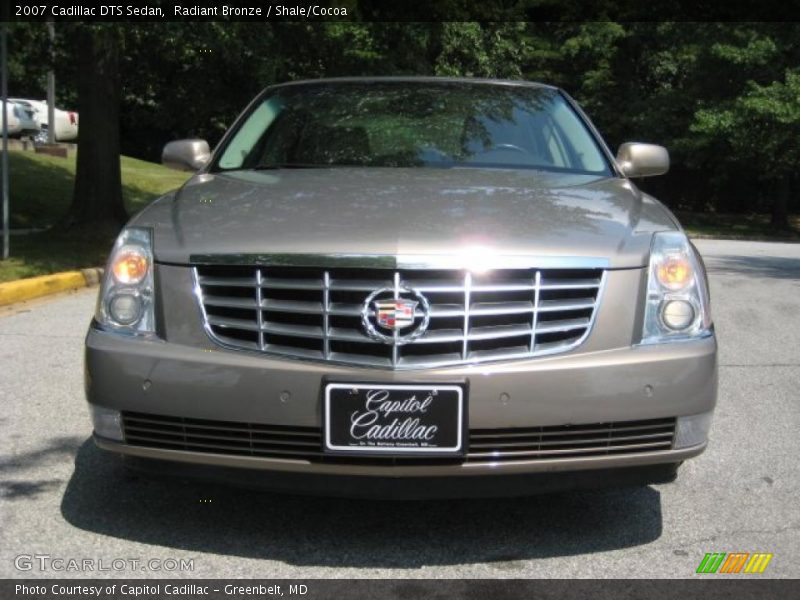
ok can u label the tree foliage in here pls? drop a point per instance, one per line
(723, 97)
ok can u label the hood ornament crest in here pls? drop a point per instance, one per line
(395, 316)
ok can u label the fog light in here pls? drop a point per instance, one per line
(692, 430)
(677, 314)
(125, 308)
(107, 422)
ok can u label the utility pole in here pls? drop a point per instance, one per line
(4, 91)
(51, 86)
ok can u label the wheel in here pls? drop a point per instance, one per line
(41, 136)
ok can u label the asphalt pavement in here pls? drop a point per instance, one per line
(62, 498)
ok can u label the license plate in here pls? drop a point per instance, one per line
(394, 419)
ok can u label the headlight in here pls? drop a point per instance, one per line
(677, 295)
(125, 303)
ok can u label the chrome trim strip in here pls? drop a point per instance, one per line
(260, 313)
(537, 286)
(408, 261)
(326, 311)
(396, 332)
(467, 306)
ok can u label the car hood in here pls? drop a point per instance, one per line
(485, 213)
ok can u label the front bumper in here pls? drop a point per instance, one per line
(502, 484)
(626, 384)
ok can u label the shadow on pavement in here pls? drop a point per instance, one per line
(55, 450)
(332, 532)
(771, 267)
(18, 490)
(14, 485)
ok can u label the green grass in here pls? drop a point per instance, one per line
(737, 226)
(41, 186)
(41, 192)
(44, 253)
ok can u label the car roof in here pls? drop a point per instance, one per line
(416, 79)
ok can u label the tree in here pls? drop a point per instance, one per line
(97, 198)
(762, 127)
(721, 96)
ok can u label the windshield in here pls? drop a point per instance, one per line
(413, 124)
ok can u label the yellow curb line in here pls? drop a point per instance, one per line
(35, 287)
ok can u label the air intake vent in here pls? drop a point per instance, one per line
(485, 445)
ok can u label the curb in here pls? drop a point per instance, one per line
(36, 287)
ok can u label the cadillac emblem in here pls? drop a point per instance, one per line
(395, 316)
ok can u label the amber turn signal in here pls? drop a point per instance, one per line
(130, 266)
(675, 272)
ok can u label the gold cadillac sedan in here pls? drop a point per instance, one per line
(406, 287)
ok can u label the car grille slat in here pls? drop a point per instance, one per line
(344, 309)
(228, 281)
(345, 334)
(291, 351)
(446, 310)
(601, 448)
(308, 331)
(292, 306)
(291, 284)
(569, 284)
(231, 323)
(568, 430)
(358, 285)
(485, 445)
(565, 305)
(496, 332)
(439, 336)
(230, 302)
(315, 313)
(216, 436)
(500, 308)
(573, 440)
(562, 325)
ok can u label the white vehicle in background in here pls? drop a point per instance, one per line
(66, 126)
(22, 119)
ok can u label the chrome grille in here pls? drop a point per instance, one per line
(315, 313)
(485, 445)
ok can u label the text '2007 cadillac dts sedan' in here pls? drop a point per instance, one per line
(406, 287)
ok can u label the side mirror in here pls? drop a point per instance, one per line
(186, 155)
(642, 160)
